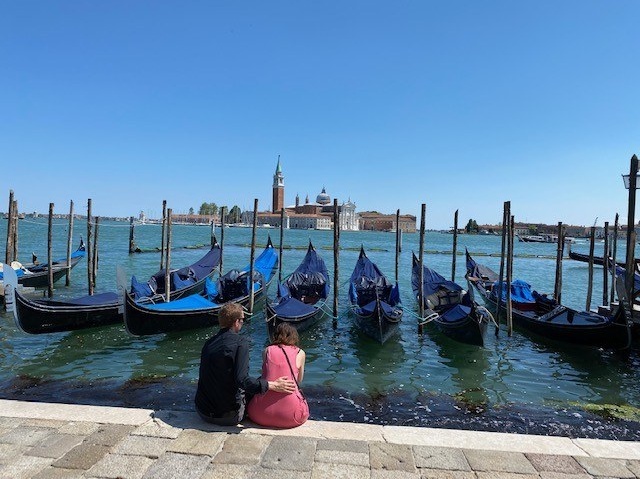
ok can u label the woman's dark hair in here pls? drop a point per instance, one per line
(286, 334)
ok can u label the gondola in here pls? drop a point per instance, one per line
(155, 315)
(543, 316)
(36, 275)
(302, 296)
(451, 309)
(374, 300)
(584, 258)
(37, 316)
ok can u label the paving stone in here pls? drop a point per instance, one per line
(385, 474)
(290, 453)
(157, 428)
(562, 475)
(172, 465)
(323, 470)
(242, 449)
(24, 467)
(26, 435)
(109, 434)
(82, 457)
(191, 441)
(10, 421)
(56, 445)
(37, 422)
(432, 457)
(346, 445)
(268, 473)
(634, 466)
(393, 457)
(505, 475)
(442, 474)
(597, 466)
(82, 428)
(498, 461)
(8, 452)
(58, 473)
(118, 465)
(342, 457)
(555, 463)
(228, 471)
(152, 447)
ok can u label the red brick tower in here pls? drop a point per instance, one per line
(278, 189)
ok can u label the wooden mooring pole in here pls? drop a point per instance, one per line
(9, 245)
(423, 215)
(164, 226)
(336, 253)
(213, 232)
(15, 230)
(69, 244)
(253, 254)
(557, 286)
(592, 240)
(50, 252)
(167, 271)
(132, 244)
(511, 231)
(280, 247)
(605, 273)
(630, 262)
(503, 249)
(89, 249)
(222, 220)
(455, 247)
(397, 241)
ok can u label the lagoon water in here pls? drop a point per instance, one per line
(520, 383)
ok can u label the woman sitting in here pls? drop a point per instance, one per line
(282, 358)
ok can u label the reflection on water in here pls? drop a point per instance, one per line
(425, 379)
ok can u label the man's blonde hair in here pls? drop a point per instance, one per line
(229, 314)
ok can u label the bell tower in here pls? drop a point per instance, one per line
(278, 189)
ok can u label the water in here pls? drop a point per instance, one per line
(518, 383)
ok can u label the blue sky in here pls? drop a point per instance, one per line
(459, 105)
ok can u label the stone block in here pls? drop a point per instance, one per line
(228, 471)
(115, 466)
(499, 461)
(396, 474)
(242, 449)
(324, 470)
(152, 447)
(81, 428)
(55, 445)
(26, 435)
(432, 457)
(554, 463)
(172, 465)
(24, 467)
(109, 434)
(505, 475)
(346, 445)
(443, 474)
(268, 473)
(563, 475)
(342, 457)
(597, 466)
(198, 442)
(157, 428)
(83, 456)
(8, 452)
(392, 457)
(58, 473)
(38, 422)
(290, 453)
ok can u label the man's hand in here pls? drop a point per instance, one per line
(282, 385)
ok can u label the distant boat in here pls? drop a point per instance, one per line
(375, 301)
(541, 315)
(545, 238)
(302, 296)
(36, 275)
(452, 310)
(200, 310)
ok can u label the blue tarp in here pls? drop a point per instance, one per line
(520, 291)
(455, 314)
(195, 301)
(367, 283)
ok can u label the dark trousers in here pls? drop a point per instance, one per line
(229, 418)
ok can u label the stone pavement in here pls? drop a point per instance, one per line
(47, 441)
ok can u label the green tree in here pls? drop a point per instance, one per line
(234, 215)
(190, 211)
(472, 226)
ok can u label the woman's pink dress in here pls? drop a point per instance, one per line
(276, 409)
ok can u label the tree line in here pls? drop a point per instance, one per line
(233, 215)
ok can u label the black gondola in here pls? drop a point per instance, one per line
(37, 316)
(36, 275)
(541, 315)
(302, 296)
(375, 301)
(155, 316)
(448, 306)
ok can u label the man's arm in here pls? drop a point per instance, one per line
(249, 384)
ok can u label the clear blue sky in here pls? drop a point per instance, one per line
(456, 104)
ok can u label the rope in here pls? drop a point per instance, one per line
(487, 314)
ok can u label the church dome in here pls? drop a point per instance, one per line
(323, 198)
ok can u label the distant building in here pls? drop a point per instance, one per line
(278, 189)
(374, 221)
